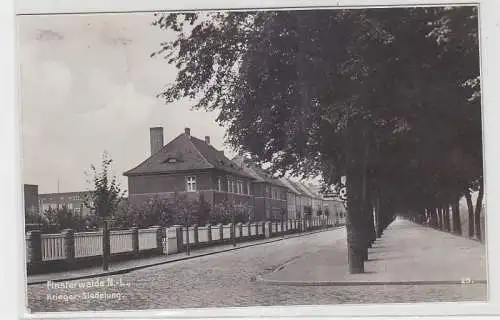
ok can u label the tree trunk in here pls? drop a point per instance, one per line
(106, 252)
(434, 218)
(378, 224)
(477, 213)
(355, 223)
(470, 209)
(439, 220)
(457, 224)
(446, 211)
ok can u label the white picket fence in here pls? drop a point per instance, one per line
(226, 231)
(120, 241)
(88, 244)
(203, 234)
(147, 239)
(52, 247)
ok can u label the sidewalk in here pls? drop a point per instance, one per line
(407, 253)
(131, 265)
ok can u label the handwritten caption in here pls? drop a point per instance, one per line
(98, 289)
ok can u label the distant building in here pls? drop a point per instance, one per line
(30, 199)
(332, 202)
(74, 201)
(190, 166)
(336, 209)
(270, 193)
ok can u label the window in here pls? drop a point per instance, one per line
(219, 183)
(248, 188)
(240, 187)
(191, 184)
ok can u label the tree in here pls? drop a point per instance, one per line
(105, 195)
(103, 200)
(382, 96)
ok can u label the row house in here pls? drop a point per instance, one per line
(293, 198)
(270, 194)
(192, 167)
(303, 201)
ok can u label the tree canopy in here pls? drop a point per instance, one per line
(388, 97)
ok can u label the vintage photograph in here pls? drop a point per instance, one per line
(252, 158)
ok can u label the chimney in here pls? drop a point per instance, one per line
(156, 139)
(187, 131)
(207, 139)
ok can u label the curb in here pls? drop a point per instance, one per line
(366, 283)
(135, 268)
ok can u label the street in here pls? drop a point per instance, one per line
(228, 280)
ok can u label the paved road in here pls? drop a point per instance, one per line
(227, 280)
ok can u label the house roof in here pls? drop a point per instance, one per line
(305, 190)
(186, 153)
(257, 172)
(290, 185)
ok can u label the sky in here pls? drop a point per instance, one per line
(88, 84)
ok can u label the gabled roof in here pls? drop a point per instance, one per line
(289, 184)
(257, 172)
(305, 190)
(186, 153)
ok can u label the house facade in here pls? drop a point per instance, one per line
(270, 194)
(192, 167)
(74, 201)
(293, 199)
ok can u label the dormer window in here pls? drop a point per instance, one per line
(174, 158)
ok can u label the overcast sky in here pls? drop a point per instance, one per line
(88, 84)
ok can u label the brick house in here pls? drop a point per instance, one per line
(270, 194)
(190, 166)
(31, 205)
(293, 199)
(304, 201)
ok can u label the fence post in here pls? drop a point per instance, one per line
(240, 230)
(267, 229)
(69, 246)
(209, 233)
(221, 232)
(135, 240)
(160, 233)
(196, 242)
(34, 247)
(179, 238)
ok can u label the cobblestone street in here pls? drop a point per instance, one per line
(228, 280)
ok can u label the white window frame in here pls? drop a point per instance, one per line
(248, 188)
(191, 184)
(219, 184)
